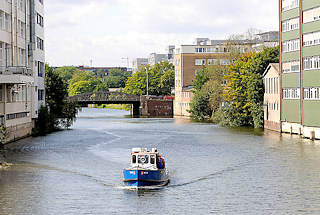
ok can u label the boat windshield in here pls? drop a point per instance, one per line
(152, 159)
(134, 159)
(143, 159)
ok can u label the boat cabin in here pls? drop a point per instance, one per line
(143, 158)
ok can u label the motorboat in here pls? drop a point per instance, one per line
(147, 168)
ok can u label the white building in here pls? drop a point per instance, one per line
(138, 63)
(155, 58)
(21, 65)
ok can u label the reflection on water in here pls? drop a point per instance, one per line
(213, 169)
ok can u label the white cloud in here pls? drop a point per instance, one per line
(108, 30)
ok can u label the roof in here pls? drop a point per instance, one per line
(276, 66)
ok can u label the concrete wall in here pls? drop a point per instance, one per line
(304, 131)
(19, 131)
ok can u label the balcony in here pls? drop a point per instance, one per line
(15, 75)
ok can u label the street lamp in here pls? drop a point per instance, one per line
(147, 81)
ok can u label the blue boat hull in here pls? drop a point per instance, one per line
(144, 178)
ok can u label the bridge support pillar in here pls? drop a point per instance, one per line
(135, 109)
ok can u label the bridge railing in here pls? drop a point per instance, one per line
(105, 96)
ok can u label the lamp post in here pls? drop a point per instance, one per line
(147, 81)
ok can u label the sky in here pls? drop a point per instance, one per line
(107, 32)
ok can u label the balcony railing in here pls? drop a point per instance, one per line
(16, 70)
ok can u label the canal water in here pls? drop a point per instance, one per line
(213, 170)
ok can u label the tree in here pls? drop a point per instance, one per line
(58, 112)
(160, 80)
(208, 89)
(244, 90)
(85, 82)
(66, 72)
(3, 134)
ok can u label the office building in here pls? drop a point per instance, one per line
(300, 67)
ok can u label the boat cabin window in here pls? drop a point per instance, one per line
(134, 159)
(152, 159)
(143, 159)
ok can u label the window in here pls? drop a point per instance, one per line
(152, 159)
(0, 92)
(134, 159)
(291, 45)
(1, 20)
(291, 93)
(224, 62)
(21, 5)
(293, 66)
(40, 44)
(311, 39)
(40, 20)
(21, 57)
(289, 4)
(17, 115)
(22, 29)
(290, 25)
(310, 63)
(40, 95)
(7, 22)
(200, 62)
(311, 15)
(311, 93)
(2, 54)
(40, 66)
(212, 61)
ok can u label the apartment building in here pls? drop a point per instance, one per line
(300, 67)
(21, 65)
(190, 59)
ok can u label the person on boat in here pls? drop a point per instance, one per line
(161, 163)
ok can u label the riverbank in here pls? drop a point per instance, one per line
(115, 106)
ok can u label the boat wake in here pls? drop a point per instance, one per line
(146, 188)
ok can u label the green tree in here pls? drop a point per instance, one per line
(244, 90)
(66, 72)
(85, 82)
(160, 80)
(3, 134)
(58, 112)
(208, 89)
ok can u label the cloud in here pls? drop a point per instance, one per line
(105, 31)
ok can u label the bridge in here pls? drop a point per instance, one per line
(108, 98)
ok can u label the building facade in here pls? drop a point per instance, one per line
(300, 67)
(138, 63)
(271, 80)
(266, 39)
(21, 65)
(155, 58)
(190, 59)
